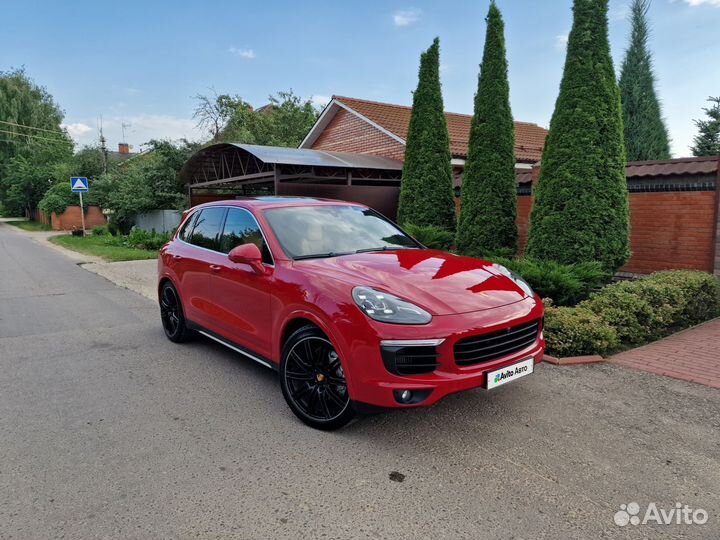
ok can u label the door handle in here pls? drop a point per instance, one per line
(177, 257)
(215, 267)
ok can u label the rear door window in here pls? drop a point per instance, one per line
(207, 227)
(241, 227)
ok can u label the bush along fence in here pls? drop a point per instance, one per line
(632, 313)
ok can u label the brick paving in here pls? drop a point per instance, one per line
(692, 355)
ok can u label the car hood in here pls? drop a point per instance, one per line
(440, 282)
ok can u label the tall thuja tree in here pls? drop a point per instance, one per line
(426, 196)
(489, 196)
(646, 136)
(581, 199)
(707, 141)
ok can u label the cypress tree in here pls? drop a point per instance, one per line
(581, 199)
(646, 136)
(489, 192)
(426, 196)
(707, 141)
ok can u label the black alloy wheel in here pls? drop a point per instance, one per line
(171, 313)
(313, 380)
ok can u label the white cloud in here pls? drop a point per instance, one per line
(248, 54)
(695, 3)
(320, 101)
(77, 129)
(620, 13)
(406, 17)
(142, 128)
(561, 41)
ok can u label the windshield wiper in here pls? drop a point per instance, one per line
(383, 248)
(323, 255)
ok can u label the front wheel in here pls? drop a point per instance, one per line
(313, 381)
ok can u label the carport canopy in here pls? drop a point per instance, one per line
(232, 166)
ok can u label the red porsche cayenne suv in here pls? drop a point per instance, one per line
(354, 314)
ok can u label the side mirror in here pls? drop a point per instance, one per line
(247, 254)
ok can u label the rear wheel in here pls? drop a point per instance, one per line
(171, 313)
(313, 381)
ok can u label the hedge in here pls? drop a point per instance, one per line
(632, 313)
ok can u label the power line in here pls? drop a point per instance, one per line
(31, 127)
(65, 141)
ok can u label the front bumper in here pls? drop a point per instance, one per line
(373, 384)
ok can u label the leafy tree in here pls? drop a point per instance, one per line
(489, 194)
(213, 112)
(426, 196)
(284, 121)
(581, 199)
(707, 141)
(646, 136)
(146, 182)
(31, 140)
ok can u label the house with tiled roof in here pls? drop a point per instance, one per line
(371, 127)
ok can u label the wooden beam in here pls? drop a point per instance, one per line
(235, 179)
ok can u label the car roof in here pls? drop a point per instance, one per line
(264, 202)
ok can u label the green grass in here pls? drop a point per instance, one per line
(107, 247)
(29, 225)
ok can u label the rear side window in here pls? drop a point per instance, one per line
(206, 230)
(242, 228)
(186, 231)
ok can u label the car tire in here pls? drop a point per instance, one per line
(313, 381)
(172, 315)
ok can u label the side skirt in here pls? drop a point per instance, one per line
(233, 346)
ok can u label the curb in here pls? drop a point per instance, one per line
(573, 360)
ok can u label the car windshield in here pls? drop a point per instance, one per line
(307, 232)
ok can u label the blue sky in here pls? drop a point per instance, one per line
(140, 62)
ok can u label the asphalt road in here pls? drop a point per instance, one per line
(108, 430)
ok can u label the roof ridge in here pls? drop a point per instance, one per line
(673, 160)
(398, 106)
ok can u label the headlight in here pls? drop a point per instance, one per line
(524, 285)
(388, 308)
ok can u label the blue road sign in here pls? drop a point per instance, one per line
(79, 184)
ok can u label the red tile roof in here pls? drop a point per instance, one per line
(529, 138)
(670, 167)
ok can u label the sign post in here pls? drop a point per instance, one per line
(79, 185)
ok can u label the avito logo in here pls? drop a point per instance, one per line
(508, 373)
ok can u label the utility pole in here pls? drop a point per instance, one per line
(103, 147)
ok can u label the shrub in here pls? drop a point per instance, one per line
(565, 284)
(635, 311)
(623, 307)
(100, 230)
(150, 240)
(699, 293)
(653, 307)
(577, 331)
(431, 236)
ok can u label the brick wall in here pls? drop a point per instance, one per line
(524, 206)
(70, 219)
(348, 133)
(672, 230)
(669, 230)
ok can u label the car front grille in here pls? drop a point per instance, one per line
(487, 347)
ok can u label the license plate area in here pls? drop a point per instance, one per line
(509, 373)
